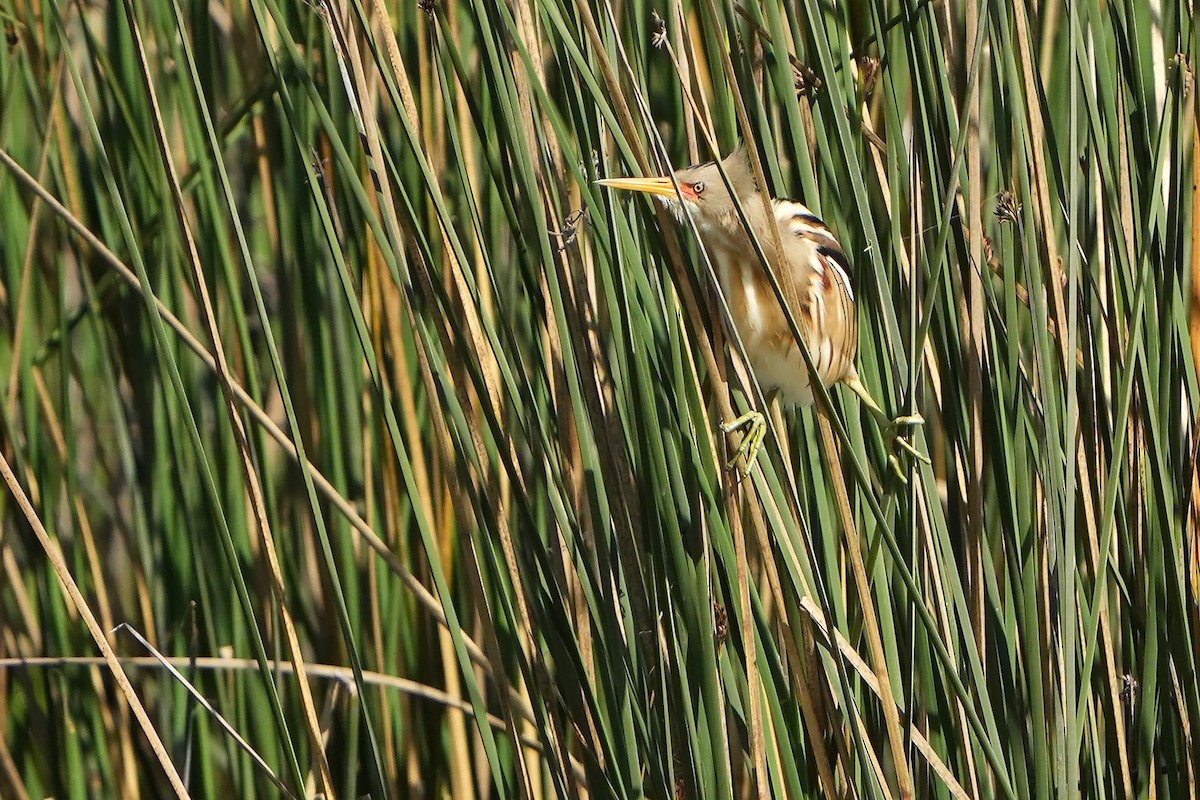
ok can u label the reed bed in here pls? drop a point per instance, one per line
(357, 444)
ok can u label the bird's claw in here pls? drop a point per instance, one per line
(756, 430)
(895, 442)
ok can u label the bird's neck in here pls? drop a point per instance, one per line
(727, 232)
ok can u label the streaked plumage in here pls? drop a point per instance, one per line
(814, 279)
(814, 276)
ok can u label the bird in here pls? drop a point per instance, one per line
(814, 276)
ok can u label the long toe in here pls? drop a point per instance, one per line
(747, 420)
(912, 450)
(896, 443)
(747, 451)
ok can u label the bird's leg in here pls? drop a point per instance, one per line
(756, 430)
(894, 429)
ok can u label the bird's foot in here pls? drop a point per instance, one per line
(755, 425)
(895, 442)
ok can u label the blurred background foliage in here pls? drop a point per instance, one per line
(356, 444)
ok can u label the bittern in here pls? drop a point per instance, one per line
(813, 274)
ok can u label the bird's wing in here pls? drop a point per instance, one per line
(818, 289)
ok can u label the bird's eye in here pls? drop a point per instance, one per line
(698, 187)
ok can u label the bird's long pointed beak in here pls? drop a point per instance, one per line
(660, 186)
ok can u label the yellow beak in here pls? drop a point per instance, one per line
(659, 186)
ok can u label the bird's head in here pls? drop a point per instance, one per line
(702, 192)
